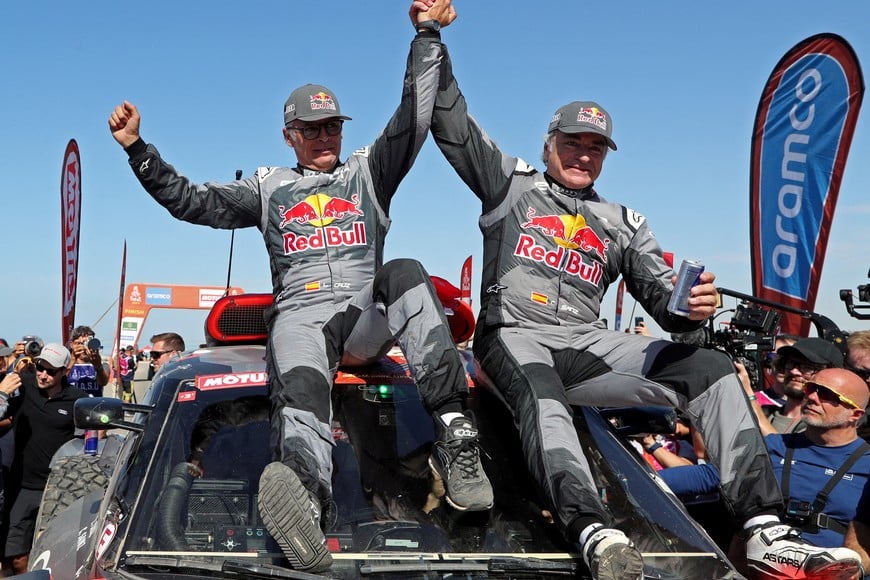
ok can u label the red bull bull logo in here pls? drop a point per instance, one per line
(321, 102)
(320, 210)
(570, 233)
(593, 116)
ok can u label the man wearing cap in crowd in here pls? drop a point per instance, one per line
(324, 223)
(551, 247)
(43, 419)
(795, 365)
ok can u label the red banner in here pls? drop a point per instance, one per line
(70, 223)
(620, 294)
(116, 348)
(465, 282)
(803, 129)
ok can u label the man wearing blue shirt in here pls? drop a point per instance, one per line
(823, 470)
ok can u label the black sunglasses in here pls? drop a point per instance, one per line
(332, 129)
(155, 354)
(47, 370)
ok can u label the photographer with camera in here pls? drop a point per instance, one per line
(823, 470)
(794, 366)
(87, 371)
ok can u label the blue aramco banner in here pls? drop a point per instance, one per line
(800, 142)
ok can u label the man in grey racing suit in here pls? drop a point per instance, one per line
(552, 246)
(335, 303)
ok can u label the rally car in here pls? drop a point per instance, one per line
(161, 515)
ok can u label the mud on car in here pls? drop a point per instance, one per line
(182, 469)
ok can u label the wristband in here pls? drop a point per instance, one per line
(429, 26)
(654, 447)
(752, 397)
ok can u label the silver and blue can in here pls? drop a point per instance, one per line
(688, 276)
(91, 442)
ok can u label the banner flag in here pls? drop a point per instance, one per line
(803, 129)
(620, 294)
(70, 222)
(116, 347)
(465, 282)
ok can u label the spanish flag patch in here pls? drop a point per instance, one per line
(540, 298)
(312, 286)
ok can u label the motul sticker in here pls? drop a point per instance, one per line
(230, 381)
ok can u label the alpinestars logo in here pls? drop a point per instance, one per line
(791, 558)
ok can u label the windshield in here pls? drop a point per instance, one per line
(192, 490)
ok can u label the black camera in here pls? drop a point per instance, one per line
(95, 344)
(755, 319)
(32, 345)
(798, 512)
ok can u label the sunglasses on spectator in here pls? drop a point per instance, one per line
(332, 129)
(805, 368)
(155, 354)
(50, 371)
(828, 395)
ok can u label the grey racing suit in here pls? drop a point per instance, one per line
(549, 255)
(334, 300)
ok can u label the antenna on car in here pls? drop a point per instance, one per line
(232, 241)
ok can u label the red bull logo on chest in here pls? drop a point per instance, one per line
(320, 211)
(570, 233)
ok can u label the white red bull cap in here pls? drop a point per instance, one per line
(312, 103)
(583, 117)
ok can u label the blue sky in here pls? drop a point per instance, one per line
(681, 79)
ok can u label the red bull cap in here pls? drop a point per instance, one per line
(312, 103)
(583, 117)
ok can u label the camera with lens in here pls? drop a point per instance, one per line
(750, 333)
(95, 344)
(32, 345)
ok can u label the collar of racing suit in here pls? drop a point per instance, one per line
(585, 193)
(308, 171)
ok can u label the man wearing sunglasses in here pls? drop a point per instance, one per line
(823, 470)
(794, 365)
(335, 303)
(164, 347)
(43, 419)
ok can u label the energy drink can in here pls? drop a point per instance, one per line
(688, 276)
(91, 441)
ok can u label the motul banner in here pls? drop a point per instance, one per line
(70, 221)
(800, 141)
(116, 347)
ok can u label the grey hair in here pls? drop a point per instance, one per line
(548, 142)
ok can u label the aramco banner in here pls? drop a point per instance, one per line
(800, 141)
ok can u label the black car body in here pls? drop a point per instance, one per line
(160, 519)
